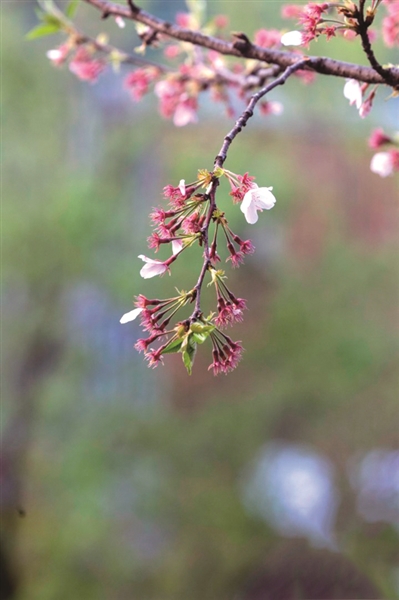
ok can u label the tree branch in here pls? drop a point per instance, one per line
(366, 45)
(322, 65)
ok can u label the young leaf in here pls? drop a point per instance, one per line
(71, 8)
(42, 30)
(188, 357)
(174, 346)
(199, 338)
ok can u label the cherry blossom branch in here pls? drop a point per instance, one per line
(219, 161)
(242, 47)
(193, 217)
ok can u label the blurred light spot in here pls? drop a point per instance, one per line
(292, 488)
(375, 477)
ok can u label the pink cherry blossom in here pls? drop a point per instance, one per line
(186, 111)
(256, 199)
(85, 67)
(378, 138)
(266, 38)
(59, 55)
(152, 268)
(390, 24)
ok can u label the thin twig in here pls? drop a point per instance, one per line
(248, 112)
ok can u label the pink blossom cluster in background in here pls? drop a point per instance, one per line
(390, 24)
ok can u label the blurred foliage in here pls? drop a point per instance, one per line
(131, 480)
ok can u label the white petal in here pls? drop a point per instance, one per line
(130, 316)
(182, 187)
(248, 208)
(264, 199)
(54, 54)
(153, 269)
(177, 246)
(148, 260)
(381, 164)
(353, 92)
(292, 38)
(120, 22)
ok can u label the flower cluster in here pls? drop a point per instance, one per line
(82, 60)
(390, 24)
(188, 220)
(313, 23)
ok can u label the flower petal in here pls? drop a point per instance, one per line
(353, 92)
(248, 207)
(292, 38)
(177, 246)
(130, 316)
(264, 199)
(382, 164)
(153, 269)
(182, 187)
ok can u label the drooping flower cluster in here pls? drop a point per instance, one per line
(188, 221)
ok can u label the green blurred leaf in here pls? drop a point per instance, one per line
(71, 9)
(42, 30)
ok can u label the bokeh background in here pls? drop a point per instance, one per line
(280, 480)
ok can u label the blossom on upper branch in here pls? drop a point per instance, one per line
(85, 67)
(385, 163)
(390, 24)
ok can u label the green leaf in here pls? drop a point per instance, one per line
(71, 8)
(188, 357)
(52, 20)
(199, 338)
(201, 328)
(174, 346)
(42, 30)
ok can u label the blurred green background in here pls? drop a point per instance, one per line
(120, 482)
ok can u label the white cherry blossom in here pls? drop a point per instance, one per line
(152, 268)
(382, 164)
(256, 199)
